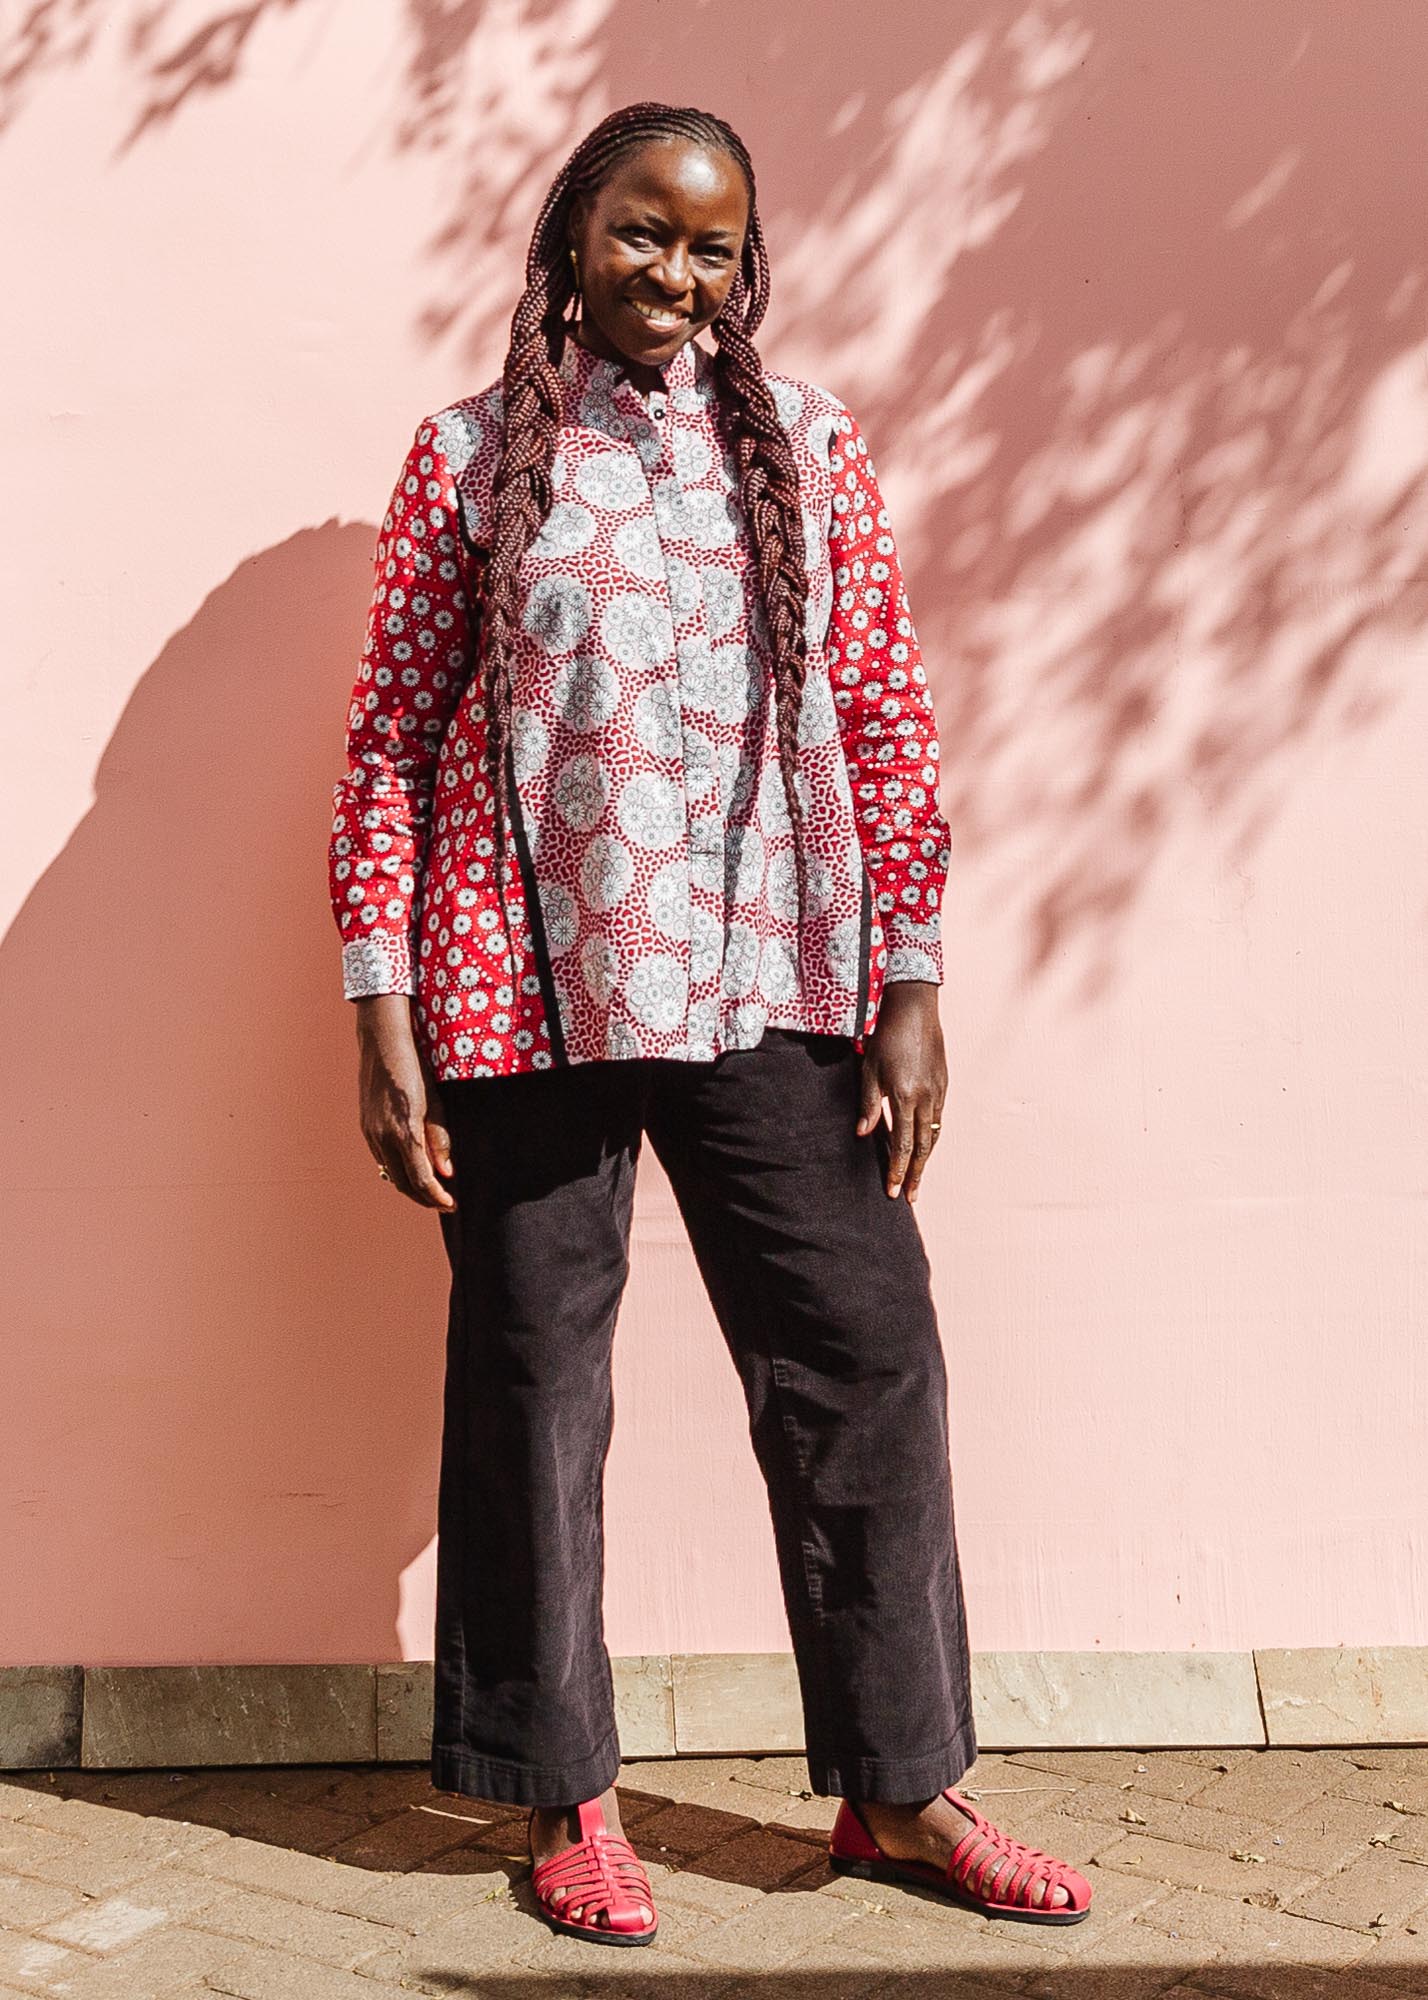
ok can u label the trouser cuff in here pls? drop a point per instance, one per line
(894, 1781)
(516, 1784)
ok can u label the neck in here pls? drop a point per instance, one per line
(640, 373)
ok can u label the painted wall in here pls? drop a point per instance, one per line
(1131, 302)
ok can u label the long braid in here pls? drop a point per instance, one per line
(534, 411)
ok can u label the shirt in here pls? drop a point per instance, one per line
(646, 905)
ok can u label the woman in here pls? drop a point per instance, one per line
(641, 811)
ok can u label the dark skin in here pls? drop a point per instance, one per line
(657, 248)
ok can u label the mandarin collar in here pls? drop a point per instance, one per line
(581, 368)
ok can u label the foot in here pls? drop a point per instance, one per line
(554, 1828)
(929, 1833)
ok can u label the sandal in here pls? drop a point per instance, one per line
(987, 1871)
(602, 1876)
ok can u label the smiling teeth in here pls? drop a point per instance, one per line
(657, 315)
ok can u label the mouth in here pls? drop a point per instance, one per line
(663, 319)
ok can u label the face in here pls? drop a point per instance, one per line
(659, 246)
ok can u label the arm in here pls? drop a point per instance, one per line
(418, 655)
(889, 734)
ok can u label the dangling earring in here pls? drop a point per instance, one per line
(574, 319)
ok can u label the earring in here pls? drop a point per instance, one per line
(575, 267)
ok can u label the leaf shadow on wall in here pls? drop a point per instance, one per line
(205, 1230)
(1132, 315)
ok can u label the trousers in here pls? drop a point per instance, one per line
(820, 1285)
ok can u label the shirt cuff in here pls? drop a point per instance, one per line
(914, 950)
(377, 963)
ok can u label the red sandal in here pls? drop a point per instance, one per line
(601, 1876)
(984, 1859)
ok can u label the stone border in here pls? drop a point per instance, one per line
(700, 1704)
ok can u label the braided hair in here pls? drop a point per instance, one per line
(534, 411)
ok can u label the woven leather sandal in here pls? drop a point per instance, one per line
(602, 1877)
(987, 1871)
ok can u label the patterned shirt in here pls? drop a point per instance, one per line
(647, 901)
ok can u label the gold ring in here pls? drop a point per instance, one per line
(382, 1174)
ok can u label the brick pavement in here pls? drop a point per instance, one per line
(1267, 1875)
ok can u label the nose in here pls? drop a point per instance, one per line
(671, 273)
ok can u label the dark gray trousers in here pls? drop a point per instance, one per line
(820, 1285)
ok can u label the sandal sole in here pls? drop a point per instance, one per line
(594, 1936)
(912, 1877)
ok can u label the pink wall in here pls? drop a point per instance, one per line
(1131, 301)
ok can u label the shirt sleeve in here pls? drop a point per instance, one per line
(885, 716)
(418, 655)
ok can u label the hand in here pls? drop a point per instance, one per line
(904, 1061)
(401, 1113)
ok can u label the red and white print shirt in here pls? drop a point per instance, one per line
(647, 901)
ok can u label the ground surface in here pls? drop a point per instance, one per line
(1270, 1875)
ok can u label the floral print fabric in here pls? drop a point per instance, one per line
(647, 905)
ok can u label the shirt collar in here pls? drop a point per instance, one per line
(582, 369)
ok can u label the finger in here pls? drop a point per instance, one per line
(438, 1146)
(426, 1188)
(870, 1100)
(901, 1144)
(923, 1142)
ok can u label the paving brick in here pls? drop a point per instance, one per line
(25, 1905)
(1330, 1833)
(1409, 1788)
(97, 1867)
(402, 1842)
(777, 1774)
(19, 1794)
(1273, 1784)
(306, 1878)
(1155, 1771)
(1391, 1757)
(299, 1928)
(38, 1964)
(25, 1848)
(892, 1937)
(1376, 1885)
(272, 1817)
(158, 1792)
(689, 1830)
(152, 1968)
(759, 1859)
(811, 1816)
(771, 1933)
(1250, 1934)
(1282, 1982)
(1123, 1961)
(377, 1792)
(256, 1974)
(1400, 1959)
(106, 1924)
(1115, 1899)
(427, 1897)
(492, 1934)
(698, 1891)
(1203, 1868)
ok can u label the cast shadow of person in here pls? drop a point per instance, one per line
(226, 1333)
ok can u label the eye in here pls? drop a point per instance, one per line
(641, 238)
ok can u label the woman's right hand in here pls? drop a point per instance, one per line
(401, 1113)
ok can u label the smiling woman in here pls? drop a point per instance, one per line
(640, 835)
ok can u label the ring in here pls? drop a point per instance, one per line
(935, 1126)
(382, 1174)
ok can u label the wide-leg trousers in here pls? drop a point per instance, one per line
(820, 1285)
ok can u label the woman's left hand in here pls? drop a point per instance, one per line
(904, 1061)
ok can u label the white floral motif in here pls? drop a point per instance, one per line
(586, 690)
(637, 630)
(651, 810)
(561, 918)
(530, 743)
(611, 479)
(692, 456)
(706, 945)
(744, 866)
(637, 548)
(741, 960)
(580, 791)
(844, 942)
(657, 990)
(723, 599)
(788, 401)
(656, 719)
(778, 971)
(600, 967)
(558, 612)
(606, 871)
(567, 529)
(668, 900)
